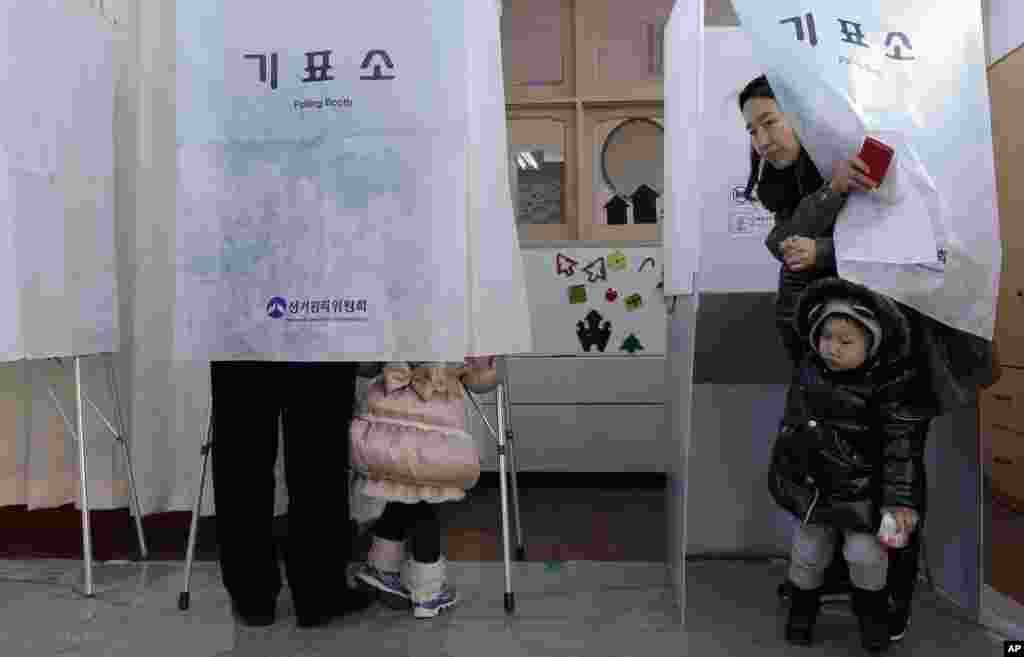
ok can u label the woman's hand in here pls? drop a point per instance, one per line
(906, 518)
(851, 175)
(799, 253)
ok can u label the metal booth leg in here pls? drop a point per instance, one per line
(499, 436)
(184, 598)
(121, 437)
(510, 602)
(77, 431)
(83, 478)
(514, 473)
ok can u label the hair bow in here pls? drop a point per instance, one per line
(427, 380)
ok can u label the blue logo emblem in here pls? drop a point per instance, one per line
(277, 307)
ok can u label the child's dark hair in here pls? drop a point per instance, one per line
(757, 88)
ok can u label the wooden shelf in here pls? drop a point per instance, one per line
(599, 75)
(556, 103)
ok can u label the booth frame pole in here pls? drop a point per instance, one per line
(184, 597)
(510, 444)
(83, 479)
(510, 602)
(119, 436)
(506, 470)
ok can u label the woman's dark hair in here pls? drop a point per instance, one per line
(757, 88)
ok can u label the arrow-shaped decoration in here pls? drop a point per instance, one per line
(601, 273)
(565, 266)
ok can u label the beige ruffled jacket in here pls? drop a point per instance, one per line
(409, 440)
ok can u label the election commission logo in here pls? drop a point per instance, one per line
(277, 307)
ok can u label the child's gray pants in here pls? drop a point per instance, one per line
(814, 547)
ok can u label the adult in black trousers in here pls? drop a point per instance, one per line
(314, 403)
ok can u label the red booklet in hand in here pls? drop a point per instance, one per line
(877, 156)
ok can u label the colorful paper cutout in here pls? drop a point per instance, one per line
(631, 344)
(617, 261)
(594, 333)
(578, 294)
(634, 302)
(565, 266)
(611, 295)
(601, 273)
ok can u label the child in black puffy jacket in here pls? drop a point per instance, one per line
(850, 449)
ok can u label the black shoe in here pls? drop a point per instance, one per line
(351, 601)
(803, 612)
(899, 621)
(872, 609)
(259, 615)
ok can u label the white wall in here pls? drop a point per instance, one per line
(1004, 25)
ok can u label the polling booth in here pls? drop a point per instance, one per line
(929, 239)
(59, 377)
(301, 224)
(337, 199)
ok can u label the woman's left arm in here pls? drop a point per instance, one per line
(816, 215)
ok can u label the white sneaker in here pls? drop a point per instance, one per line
(430, 608)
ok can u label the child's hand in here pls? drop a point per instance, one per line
(800, 253)
(479, 374)
(480, 362)
(906, 518)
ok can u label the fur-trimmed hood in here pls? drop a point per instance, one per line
(895, 327)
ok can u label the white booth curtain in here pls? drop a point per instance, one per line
(38, 458)
(163, 407)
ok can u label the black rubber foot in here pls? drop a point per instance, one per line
(183, 600)
(784, 592)
(520, 553)
(510, 603)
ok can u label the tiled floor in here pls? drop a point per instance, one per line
(594, 585)
(564, 609)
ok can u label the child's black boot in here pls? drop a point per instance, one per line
(872, 609)
(803, 612)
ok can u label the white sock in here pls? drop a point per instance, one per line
(425, 580)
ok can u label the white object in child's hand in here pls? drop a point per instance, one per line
(889, 532)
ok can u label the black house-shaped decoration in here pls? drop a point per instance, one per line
(645, 205)
(615, 211)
